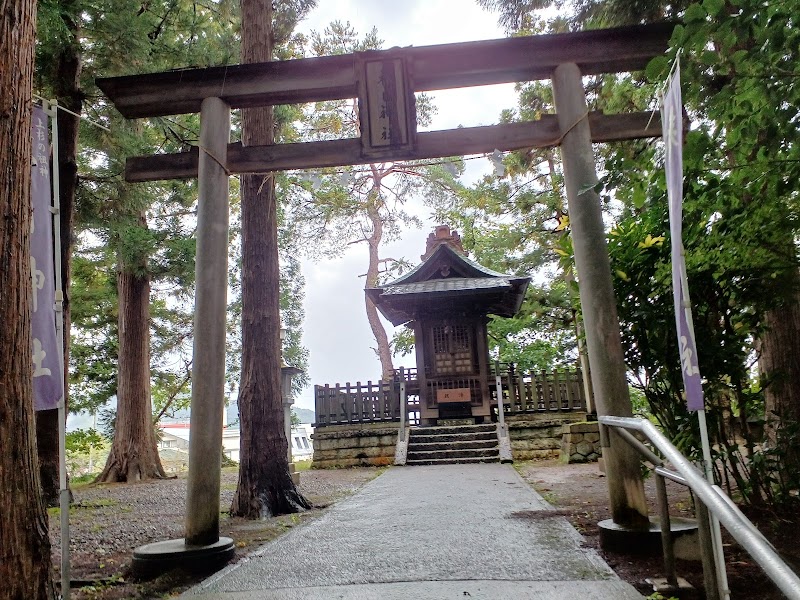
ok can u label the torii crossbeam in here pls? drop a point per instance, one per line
(384, 81)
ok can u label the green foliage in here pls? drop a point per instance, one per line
(295, 420)
(93, 349)
(82, 440)
(86, 450)
(741, 166)
(403, 341)
(740, 227)
(541, 336)
(658, 596)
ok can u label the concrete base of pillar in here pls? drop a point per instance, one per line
(401, 449)
(647, 542)
(661, 586)
(295, 475)
(153, 559)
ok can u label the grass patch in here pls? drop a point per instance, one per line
(96, 503)
(55, 511)
(302, 465)
(82, 479)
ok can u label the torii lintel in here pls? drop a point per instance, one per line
(384, 81)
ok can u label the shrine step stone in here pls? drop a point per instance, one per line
(453, 445)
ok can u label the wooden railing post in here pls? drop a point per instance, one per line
(558, 397)
(666, 531)
(358, 402)
(318, 407)
(512, 388)
(402, 431)
(387, 412)
(498, 382)
(346, 408)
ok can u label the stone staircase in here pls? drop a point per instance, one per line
(453, 445)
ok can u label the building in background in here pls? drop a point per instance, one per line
(174, 442)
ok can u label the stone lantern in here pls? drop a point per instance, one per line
(287, 374)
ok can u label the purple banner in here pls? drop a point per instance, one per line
(48, 382)
(672, 120)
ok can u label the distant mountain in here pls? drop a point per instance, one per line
(304, 414)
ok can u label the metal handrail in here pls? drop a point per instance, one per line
(734, 521)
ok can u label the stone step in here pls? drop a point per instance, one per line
(456, 429)
(453, 445)
(414, 446)
(441, 438)
(454, 454)
(452, 461)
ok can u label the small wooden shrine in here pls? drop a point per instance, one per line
(447, 299)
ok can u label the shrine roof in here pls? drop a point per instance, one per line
(447, 285)
(447, 280)
(445, 251)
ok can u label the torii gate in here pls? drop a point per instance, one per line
(384, 82)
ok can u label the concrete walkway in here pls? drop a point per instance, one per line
(438, 532)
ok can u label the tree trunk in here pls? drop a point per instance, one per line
(779, 362)
(47, 449)
(25, 565)
(265, 485)
(384, 349)
(134, 453)
(67, 91)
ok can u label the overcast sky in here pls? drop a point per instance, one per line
(336, 331)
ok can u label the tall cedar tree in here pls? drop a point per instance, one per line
(134, 452)
(64, 70)
(25, 567)
(265, 485)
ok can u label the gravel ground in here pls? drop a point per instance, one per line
(108, 521)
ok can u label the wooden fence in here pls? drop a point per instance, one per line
(540, 392)
(359, 403)
(531, 392)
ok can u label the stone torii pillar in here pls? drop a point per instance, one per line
(601, 323)
(202, 544)
(211, 301)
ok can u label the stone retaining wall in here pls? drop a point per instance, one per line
(566, 436)
(356, 445)
(539, 436)
(580, 442)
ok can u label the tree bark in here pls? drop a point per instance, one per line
(47, 450)
(67, 91)
(25, 565)
(134, 453)
(384, 349)
(265, 486)
(779, 362)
